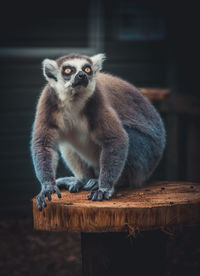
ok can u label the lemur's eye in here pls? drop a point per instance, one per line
(68, 71)
(87, 69)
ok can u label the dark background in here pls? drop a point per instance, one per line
(33, 31)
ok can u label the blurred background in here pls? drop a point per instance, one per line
(152, 44)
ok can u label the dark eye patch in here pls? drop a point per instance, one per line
(67, 69)
(85, 67)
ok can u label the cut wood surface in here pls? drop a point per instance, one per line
(156, 93)
(157, 205)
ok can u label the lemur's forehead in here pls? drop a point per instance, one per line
(73, 57)
(75, 62)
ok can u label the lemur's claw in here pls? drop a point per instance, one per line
(57, 191)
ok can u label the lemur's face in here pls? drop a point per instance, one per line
(73, 74)
(77, 72)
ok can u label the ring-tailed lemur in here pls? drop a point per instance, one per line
(106, 131)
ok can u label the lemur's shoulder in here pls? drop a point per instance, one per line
(48, 98)
(47, 108)
(110, 85)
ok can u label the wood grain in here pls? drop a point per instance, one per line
(157, 205)
(158, 94)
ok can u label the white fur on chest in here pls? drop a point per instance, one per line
(78, 139)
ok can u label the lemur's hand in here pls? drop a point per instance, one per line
(101, 194)
(46, 191)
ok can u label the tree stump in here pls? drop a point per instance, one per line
(145, 210)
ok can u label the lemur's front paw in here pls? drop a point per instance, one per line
(71, 183)
(100, 194)
(47, 190)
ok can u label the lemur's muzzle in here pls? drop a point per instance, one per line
(80, 79)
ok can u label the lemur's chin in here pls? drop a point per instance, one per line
(79, 85)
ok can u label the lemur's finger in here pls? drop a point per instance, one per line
(94, 197)
(57, 191)
(73, 189)
(38, 203)
(42, 200)
(100, 196)
(39, 206)
(44, 203)
(86, 187)
(49, 196)
(91, 195)
(106, 196)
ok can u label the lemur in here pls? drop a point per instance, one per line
(106, 131)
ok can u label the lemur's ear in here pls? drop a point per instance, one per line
(50, 69)
(97, 61)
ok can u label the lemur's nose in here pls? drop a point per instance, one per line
(81, 75)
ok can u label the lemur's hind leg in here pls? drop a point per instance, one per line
(71, 183)
(82, 172)
(91, 184)
(143, 157)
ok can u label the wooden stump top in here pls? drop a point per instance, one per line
(157, 205)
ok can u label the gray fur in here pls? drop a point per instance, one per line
(143, 156)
